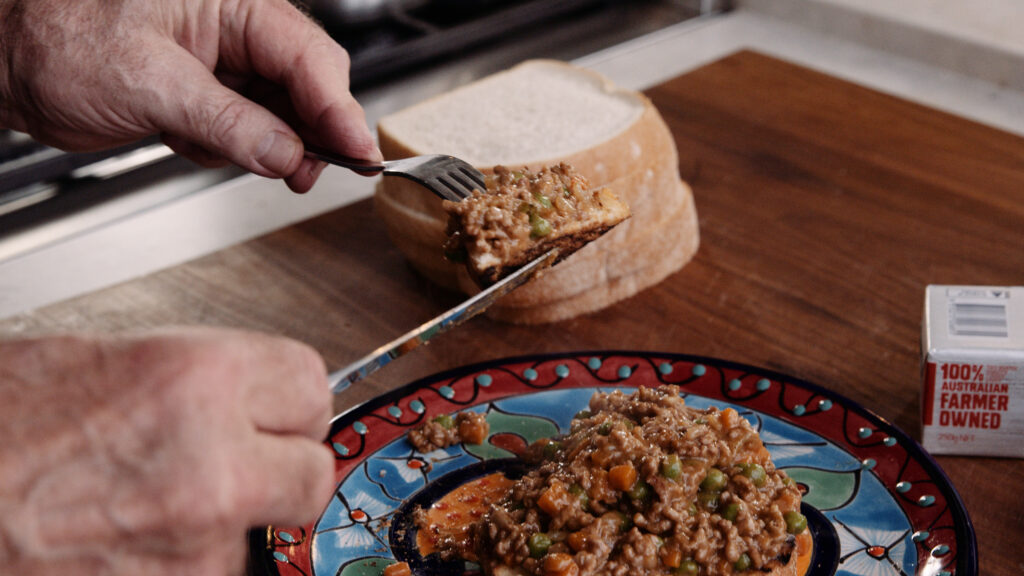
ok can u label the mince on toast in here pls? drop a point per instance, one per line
(523, 214)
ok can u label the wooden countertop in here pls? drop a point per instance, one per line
(825, 209)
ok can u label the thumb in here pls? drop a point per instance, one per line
(198, 109)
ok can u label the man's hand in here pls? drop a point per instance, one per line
(233, 80)
(154, 454)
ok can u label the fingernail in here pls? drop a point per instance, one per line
(316, 169)
(276, 152)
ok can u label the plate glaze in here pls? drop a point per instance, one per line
(877, 503)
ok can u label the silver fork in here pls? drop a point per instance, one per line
(445, 176)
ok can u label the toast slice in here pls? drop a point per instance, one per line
(524, 214)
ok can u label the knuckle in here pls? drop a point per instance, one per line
(179, 370)
(311, 371)
(226, 119)
(344, 59)
(318, 483)
(309, 361)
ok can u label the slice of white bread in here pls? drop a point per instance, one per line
(537, 114)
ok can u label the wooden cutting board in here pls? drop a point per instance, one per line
(825, 209)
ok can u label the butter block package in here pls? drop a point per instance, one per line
(972, 400)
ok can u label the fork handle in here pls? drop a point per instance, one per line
(356, 164)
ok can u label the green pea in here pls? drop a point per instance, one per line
(539, 227)
(543, 200)
(538, 544)
(551, 449)
(583, 414)
(580, 494)
(692, 509)
(625, 522)
(640, 492)
(708, 500)
(731, 510)
(605, 428)
(445, 421)
(795, 522)
(671, 467)
(755, 472)
(742, 563)
(715, 481)
(687, 568)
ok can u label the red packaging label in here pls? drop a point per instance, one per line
(974, 408)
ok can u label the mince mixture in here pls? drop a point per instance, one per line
(643, 484)
(519, 209)
(443, 431)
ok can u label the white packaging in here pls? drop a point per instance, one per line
(972, 400)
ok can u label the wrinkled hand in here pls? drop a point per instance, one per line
(153, 454)
(220, 80)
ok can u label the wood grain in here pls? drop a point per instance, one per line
(825, 209)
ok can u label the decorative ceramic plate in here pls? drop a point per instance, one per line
(876, 502)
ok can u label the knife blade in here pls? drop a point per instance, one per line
(382, 356)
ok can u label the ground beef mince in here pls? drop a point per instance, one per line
(522, 214)
(443, 431)
(643, 484)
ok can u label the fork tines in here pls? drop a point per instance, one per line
(448, 177)
(454, 175)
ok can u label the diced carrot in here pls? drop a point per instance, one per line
(560, 564)
(472, 432)
(398, 569)
(730, 418)
(671, 557)
(602, 457)
(577, 541)
(622, 477)
(552, 499)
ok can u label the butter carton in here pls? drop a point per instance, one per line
(972, 401)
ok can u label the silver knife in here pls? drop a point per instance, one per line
(382, 356)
